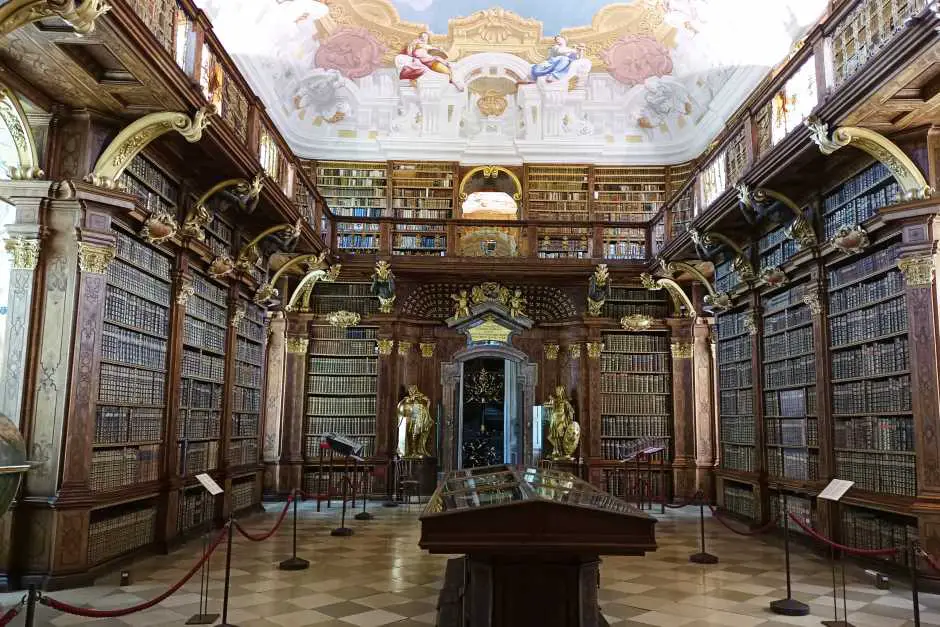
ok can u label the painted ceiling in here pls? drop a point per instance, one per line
(642, 81)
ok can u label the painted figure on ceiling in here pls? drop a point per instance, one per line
(560, 59)
(420, 56)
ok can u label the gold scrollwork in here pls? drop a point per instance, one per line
(81, 15)
(297, 345)
(740, 262)
(94, 259)
(750, 322)
(773, 277)
(551, 351)
(812, 301)
(490, 171)
(636, 322)
(850, 239)
(343, 319)
(681, 350)
(249, 254)
(918, 270)
(427, 349)
(199, 216)
(159, 227)
(594, 349)
(25, 252)
(404, 347)
(385, 346)
(574, 351)
(679, 298)
(13, 117)
(238, 315)
(186, 290)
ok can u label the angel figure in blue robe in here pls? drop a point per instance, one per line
(560, 58)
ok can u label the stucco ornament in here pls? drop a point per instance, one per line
(634, 58)
(665, 100)
(352, 51)
(321, 94)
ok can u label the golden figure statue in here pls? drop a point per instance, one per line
(516, 304)
(414, 425)
(563, 432)
(462, 306)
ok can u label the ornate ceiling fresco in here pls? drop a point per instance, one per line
(643, 81)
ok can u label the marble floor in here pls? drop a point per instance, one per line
(379, 576)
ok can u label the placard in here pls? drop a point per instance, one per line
(209, 484)
(836, 489)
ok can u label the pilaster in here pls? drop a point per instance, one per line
(292, 433)
(683, 410)
(275, 365)
(704, 404)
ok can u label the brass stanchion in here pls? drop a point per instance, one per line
(702, 557)
(294, 562)
(228, 574)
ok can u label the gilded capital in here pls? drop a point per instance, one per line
(594, 349)
(297, 345)
(427, 349)
(918, 270)
(574, 351)
(681, 350)
(385, 346)
(812, 301)
(94, 259)
(185, 291)
(404, 347)
(551, 351)
(238, 315)
(25, 252)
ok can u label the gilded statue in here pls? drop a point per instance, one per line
(563, 432)
(516, 304)
(383, 286)
(598, 290)
(462, 306)
(415, 424)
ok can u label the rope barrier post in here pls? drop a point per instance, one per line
(294, 562)
(364, 515)
(788, 606)
(31, 598)
(204, 617)
(702, 557)
(836, 622)
(343, 530)
(392, 500)
(228, 573)
(915, 592)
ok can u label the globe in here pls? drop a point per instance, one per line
(13, 462)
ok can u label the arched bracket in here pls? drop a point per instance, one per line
(81, 15)
(913, 184)
(13, 117)
(138, 135)
(800, 230)
(304, 289)
(740, 262)
(250, 252)
(267, 292)
(678, 295)
(199, 216)
(716, 301)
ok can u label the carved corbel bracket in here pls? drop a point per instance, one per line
(199, 216)
(138, 135)
(81, 15)
(913, 184)
(267, 292)
(13, 117)
(716, 301)
(740, 262)
(800, 230)
(675, 291)
(250, 253)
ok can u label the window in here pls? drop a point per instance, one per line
(268, 154)
(713, 180)
(794, 102)
(185, 43)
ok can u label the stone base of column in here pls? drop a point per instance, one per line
(705, 480)
(290, 476)
(45, 551)
(684, 484)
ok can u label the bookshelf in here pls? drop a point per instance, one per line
(564, 242)
(558, 192)
(423, 190)
(624, 243)
(428, 240)
(129, 417)
(155, 190)
(858, 199)
(740, 499)
(775, 248)
(219, 231)
(871, 383)
(117, 531)
(357, 189)
(247, 386)
(678, 175)
(736, 396)
(358, 238)
(355, 297)
(625, 301)
(869, 529)
(202, 377)
(636, 399)
(196, 508)
(683, 210)
(727, 278)
(800, 505)
(632, 194)
(243, 493)
(789, 386)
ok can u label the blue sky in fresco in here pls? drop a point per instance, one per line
(554, 14)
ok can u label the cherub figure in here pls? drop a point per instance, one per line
(462, 306)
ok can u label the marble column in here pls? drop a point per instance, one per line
(275, 365)
(683, 463)
(704, 405)
(292, 429)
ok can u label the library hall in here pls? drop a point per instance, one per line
(469, 313)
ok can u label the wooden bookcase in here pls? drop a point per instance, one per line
(736, 394)
(775, 248)
(247, 387)
(858, 199)
(624, 243)
(564, 242)
(423, 190)
(420, 239)
(628, 194)
(558, 192)
(625, 301)
(682, 212)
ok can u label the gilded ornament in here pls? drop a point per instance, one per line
(414, 425)
(221, 266)
(186, 290)
(80, 14)
(850, 240)
(489, 331)
(265, 293)
(598, 290)
(404, 347)
(636, 322)
(461, 306)
(242, 193)
(574, 351)
(25, 252)
(918, 270)
(383, 286)
(564, 433)
(385, 346)
(94, 259)
(492, 104)
(343, 319)
(283, 238)
(13, 116)
(159, 227)
(427, 349)
(516, 304)
(594, 349)
(551, 351)
(750, 323)
(297, 345)
(811, 300)
(681, 350)
(801, 231)
(773, 277)
(238, 315)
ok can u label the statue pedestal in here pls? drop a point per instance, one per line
(421, 471)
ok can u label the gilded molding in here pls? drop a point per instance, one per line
(636, 322)
(297, 345)
(850, 240)
(25, 252)
(675, 291)
(221, 266)
(186, 290)
(199, 216)
(812, 301)
(750, 322)
(138, 135)
(918, 270)
(385, 346)
(81, 15)
(882, 149)
(598, 290)
(238, 315)
(551, 351)
(594, 349)
(94, 259)
(574, 351)
(14, 118)
(404, 347)
(681, 350)
(427, 349)
(343, 319)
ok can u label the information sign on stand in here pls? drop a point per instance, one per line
(204, 617)
(209, 484)
(834, 492)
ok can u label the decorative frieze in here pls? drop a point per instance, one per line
(636, 322)
(186, 290)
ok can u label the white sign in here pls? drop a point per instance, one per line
(209, 484)
(836, 489)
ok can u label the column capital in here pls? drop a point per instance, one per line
(918, 270)
(297, 345)
(681, 350)
(25, 252)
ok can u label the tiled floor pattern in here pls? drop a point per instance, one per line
(379, 576)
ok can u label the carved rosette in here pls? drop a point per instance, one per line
(385, 346)
(750, 323)
(25, 253)
(222, 266)
(636, 322)
(594, 349)
(812, 301)
(94, 259)
(159, 227)
(297, 345)
(427, 349)
(343, 319)
(404, 347)
(681, 350)
(918, 270)
(574, 351)
(551, 351)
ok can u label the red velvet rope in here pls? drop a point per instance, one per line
(931, 561)
(753, 532)
(265, 536)
(848, 549)
(7, 618)
(88, 612)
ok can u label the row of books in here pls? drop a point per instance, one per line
(243, 494)
(340, 406)
(736, 402)
(795, 342)
(119, 425)
(210, 291)
(129, 310)
(729, 281)
(359, 211)
(349, 333)
(635, 426)
(866, 529)
(620, 362)
(424, 213)
(573, 254)
(205, 335)
(199, 424)
(322, 347)
(324, 482)
(312, 445)
(248, 375)
(864, 324)
(867, 292)
(438, 189)
(861, 208)
(739, 501)
(635, 404)
(734, 457)
(343, 366)
(883, 259)
(197, 457)
(624, 250)
(635, 294)
(777, 301)
(626, 448)
(142, 256)
(332, 170)
(208, 310)
(866, 179)
(779, 255)
(632, 485)
(115, 468)
(244, 425)
(626, 213)
(148, 200)
(872, 397)
(358, 227)
(731, 324)
(132, 348)
(773, 238)
(204, 366)
(791, 403)
(788, 463)
(437, 242)
(617, 310)
(248, 351)
(633, 383)
(143, 170)
(320, 425)
(799, 506)
(126, 277)
(547, 213)
(242, 452)
(200, 394)
(116, 535)
(350, 386)
(881, 433)
(734, 375)
(871, 360)
(636, 343)
(357, 241)
(792, 431)
(738, 429)
(797, 371)
(735, 349)
(888, 473)
(348, 182)
(197, 507)
(122, 385)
